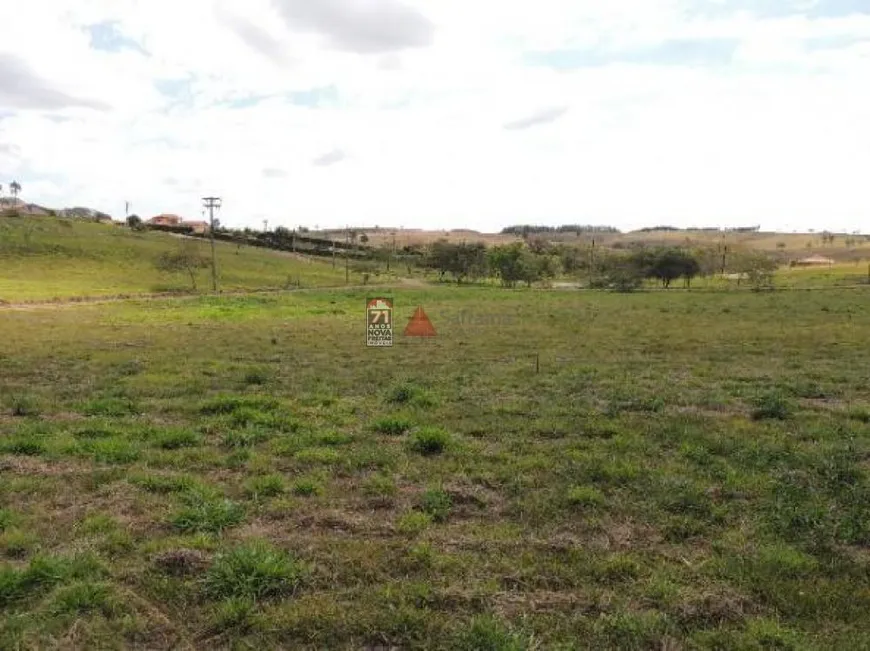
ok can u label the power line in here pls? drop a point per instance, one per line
(212, 203)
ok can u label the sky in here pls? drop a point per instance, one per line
(444, 114)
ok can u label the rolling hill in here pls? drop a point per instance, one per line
(45, 258)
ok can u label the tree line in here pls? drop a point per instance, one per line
(524, 230)
(539, 261)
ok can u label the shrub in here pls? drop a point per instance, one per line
(430, 441)
(255, 571)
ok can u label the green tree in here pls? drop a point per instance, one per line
(619, 271)
(134, 222)
(539, 267)
(506, 263)
(666, 265)
(461, 261)
(709, 261)
(15, 189)
(758, 268)
(185, 259)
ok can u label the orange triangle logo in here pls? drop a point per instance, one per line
(420, 325)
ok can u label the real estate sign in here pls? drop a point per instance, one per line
(379, 322)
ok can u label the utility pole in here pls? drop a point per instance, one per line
(346, 255)
(592, 262)
(211, 203)
(265, 225)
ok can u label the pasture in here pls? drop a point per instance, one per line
(45, 259)
(682, 470)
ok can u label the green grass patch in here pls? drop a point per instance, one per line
(430, 441)
(254, 571)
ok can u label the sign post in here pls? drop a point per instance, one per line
(379, 322)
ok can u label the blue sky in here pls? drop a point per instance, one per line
(443, 115)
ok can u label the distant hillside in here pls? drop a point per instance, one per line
(45, 257)
(843, 247)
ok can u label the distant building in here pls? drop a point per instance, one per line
(813, 261)
(77, 213)
(22, 208)
(8, 203)
(33, 209)
(166, 220)
(199, 228)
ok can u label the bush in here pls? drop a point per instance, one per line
(254, 571)
(430, 441)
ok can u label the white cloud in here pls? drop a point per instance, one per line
(262, 105)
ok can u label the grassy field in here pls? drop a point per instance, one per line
(660, 470)
(45, 258)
